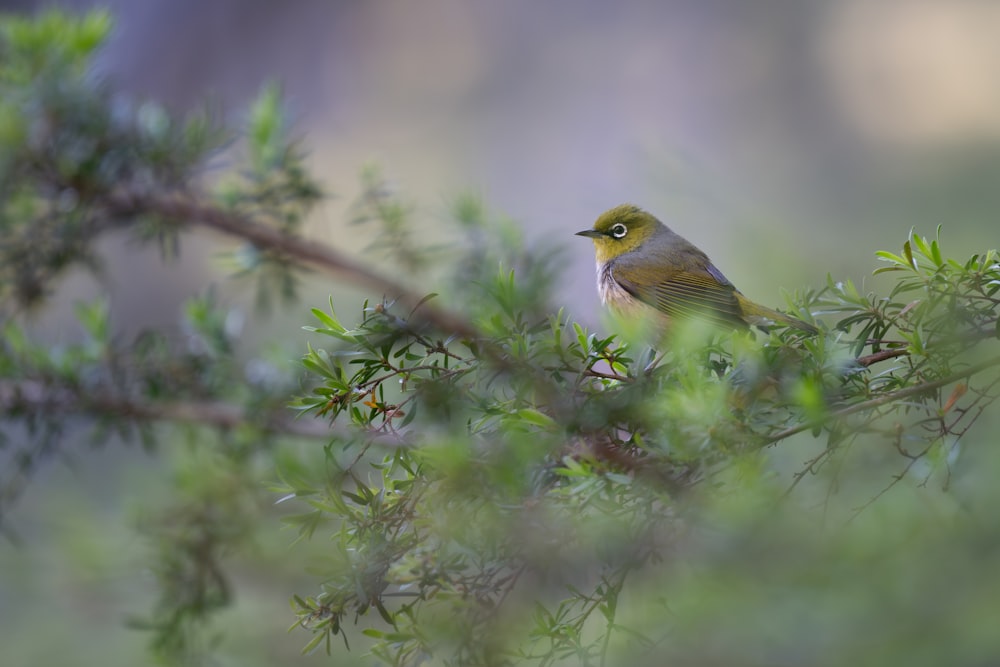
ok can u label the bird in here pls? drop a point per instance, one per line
(642, 263)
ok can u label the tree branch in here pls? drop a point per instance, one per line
(969, 338)
(882, 400)
(874, 358)
(185, 209)
(35, 396)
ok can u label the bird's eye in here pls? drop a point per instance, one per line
(619, 231)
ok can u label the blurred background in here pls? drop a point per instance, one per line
(787, 139)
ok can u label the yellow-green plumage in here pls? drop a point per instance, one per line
(642, 261)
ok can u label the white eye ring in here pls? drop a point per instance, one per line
(619, 230)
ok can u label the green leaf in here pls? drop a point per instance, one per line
(936, 253)
(313, 643)
(922, 245)
(890, 257)
(384, 613)
(537, 418)
(94, 318)
(908, 252)
(330, 320)
(266, 129)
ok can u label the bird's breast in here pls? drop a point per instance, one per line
(611, 291)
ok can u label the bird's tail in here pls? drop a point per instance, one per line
(762, 315)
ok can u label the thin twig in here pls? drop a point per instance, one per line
(882, 400)
(870, 359)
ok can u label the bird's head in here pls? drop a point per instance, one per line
(620, 230)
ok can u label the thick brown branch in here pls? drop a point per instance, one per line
(185, 209)
(35, 396)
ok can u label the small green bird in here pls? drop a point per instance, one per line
(641, 261)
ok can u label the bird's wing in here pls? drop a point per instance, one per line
(685, 294)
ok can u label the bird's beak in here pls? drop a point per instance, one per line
(590, 233)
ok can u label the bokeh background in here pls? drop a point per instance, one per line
(788, 139)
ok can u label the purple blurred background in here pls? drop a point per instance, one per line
(793, 137)
(788, 139)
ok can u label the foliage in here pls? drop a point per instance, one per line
(546, 454)
(498, 485)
